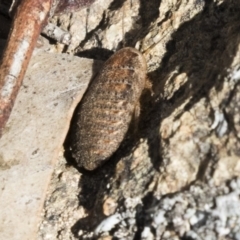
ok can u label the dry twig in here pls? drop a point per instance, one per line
(29, 19)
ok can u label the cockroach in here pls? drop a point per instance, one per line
(106, 110)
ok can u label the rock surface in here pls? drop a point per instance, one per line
(33, 137)
(178, 177)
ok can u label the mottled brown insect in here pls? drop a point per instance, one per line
(106, 110)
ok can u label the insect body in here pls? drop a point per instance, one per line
(106, 110)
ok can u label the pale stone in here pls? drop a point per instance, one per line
(33, 138)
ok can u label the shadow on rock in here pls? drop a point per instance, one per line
(203, 48)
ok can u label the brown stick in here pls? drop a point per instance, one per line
(27, 25)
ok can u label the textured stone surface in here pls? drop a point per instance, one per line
(177, 175)
(34, 135)
(175, 178)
